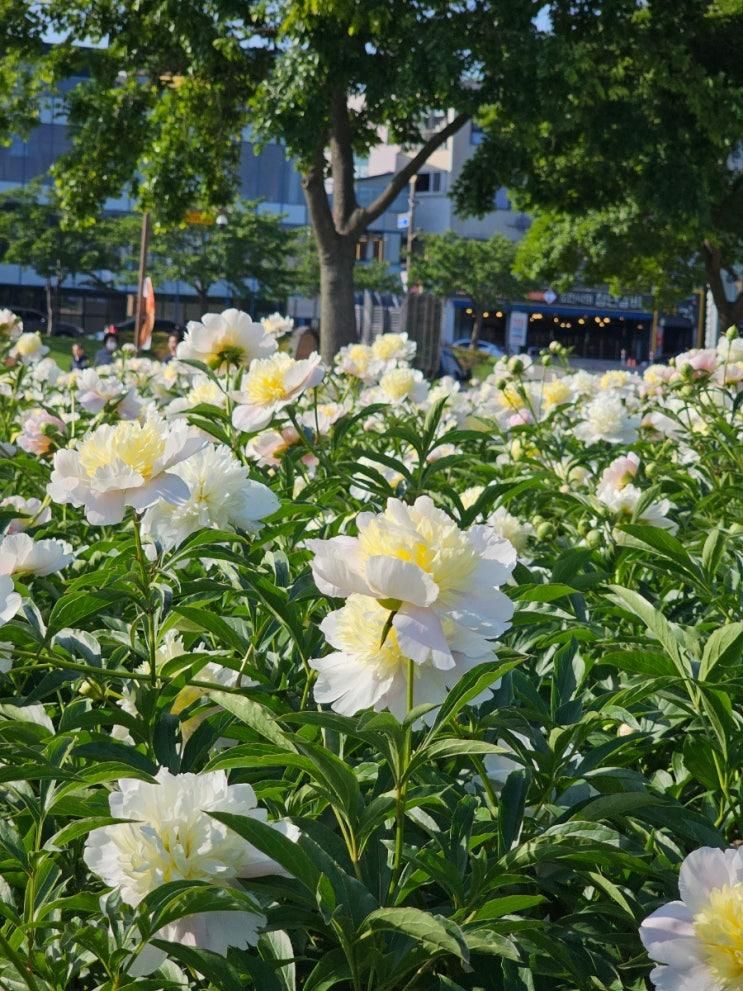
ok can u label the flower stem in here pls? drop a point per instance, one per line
(148, 610)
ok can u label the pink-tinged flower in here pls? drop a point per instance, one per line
(440, 582)
(620, 472)
(124, 465)
(222, 340)
(37, 427)
(698, 941)
(172, 837)
(268, 447)
(701, 361)
(30, 513)
(11, 324)
(270, 385)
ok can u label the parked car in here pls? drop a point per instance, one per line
(32, 319)
(448, 365)
(490, 349)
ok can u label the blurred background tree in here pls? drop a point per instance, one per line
(248, 251)
(636, 108)
(32, 233)
(451, 265)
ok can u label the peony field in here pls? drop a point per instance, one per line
(334, 678)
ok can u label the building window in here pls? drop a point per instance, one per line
(370, 247)
(477, 135)
(429, 182)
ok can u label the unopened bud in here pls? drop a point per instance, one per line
(594, 539)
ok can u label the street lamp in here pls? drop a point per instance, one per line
(222, 219)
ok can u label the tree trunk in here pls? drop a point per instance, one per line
(337, 307)
(476, 328)
(203, 298)
(730, 311)
(49, 306)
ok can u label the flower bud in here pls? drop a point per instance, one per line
(731, 333)
(546, 360)
(594, 539)
(544, 531)
(515, 365)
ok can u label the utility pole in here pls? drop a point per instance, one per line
(411, 230)
(144, 244)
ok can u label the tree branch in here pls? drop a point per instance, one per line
(363, 216)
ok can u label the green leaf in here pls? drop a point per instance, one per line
(275, 845)
(724, 646)
(436, 934)
(255, 715)
(656, 623)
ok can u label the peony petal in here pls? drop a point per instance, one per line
(421, 637)
(391, 578)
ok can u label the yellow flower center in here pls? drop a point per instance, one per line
(443, 552)
(361, 625)
(512, 397)
(28, 344)
(206, 392)
(387, 346)
(556, 392)
(719, 929)
(397, 383)
(360, 355)
(265, 380)
(138, 445)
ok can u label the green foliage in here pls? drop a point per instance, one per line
(375, 275)
(632, 118)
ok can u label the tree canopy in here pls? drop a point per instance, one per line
(168, 94)
(636, 107)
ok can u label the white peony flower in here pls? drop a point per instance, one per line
(270, 385)
(172, 837)
(276, 325)
(21, 555)
(30, 513)
(359, 361)
(364, 672)
(511, 528)
(698, 941)
(10, 600)
(94, 393)
(606, 418)
(399, 384)
(616, 492)
(29, 349)
(428, 572)
(224, 339)
(393, 347)
(11, 324)
(222, 496)
(123, 465)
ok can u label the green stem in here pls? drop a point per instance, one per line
(23, 972)
(150, 633)
(402, 786)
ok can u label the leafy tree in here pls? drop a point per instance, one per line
(483, 270)
(251, 247)
(169, 94)
(612, 246)
(633, 106)
(31, 233)
(375, 276)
